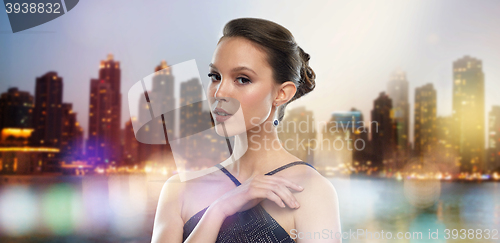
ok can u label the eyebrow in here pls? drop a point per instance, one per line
(234, 69)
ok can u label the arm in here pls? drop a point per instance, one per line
(318, 214)
(168, 223)
(208, 228)
(243, 197)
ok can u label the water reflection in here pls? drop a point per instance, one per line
(379, 204)
(121, 208)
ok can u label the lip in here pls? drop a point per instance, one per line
(220, 118)
(221, 110)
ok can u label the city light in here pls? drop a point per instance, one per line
(417, 145)
(29, 149)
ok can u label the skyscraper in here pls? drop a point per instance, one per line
(384, 133)
(333, 154)
(493, 162)
(47, 122)
(468, 112)
(444, 155)
(48, 111)
(397, 89)
(298, 134)
(130, 145)
(191, 93)
(158, 100)
(99, 132)
(162, 95)
(360, 141)
(72, 135)
(343, 142)
(103, 146)
(191, 114)
(16, 109)
(425, 119)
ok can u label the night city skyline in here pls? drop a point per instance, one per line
(105, 124)
(390, 112)
(347, 56)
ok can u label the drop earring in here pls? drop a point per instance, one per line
(276, 122)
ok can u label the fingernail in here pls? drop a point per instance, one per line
(301, 188)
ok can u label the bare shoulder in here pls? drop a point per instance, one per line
(170, 200)
(317, 189)
(168, 222)
(175, 189)
(307, 177)
(172, 190)
(319, 206)
(175, 186)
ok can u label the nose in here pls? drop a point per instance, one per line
(223, 90)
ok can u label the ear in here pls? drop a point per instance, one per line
(286, 91)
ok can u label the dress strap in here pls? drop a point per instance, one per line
(288, 165)
(236, 182)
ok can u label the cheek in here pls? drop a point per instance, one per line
(256, 107)
(211, 90)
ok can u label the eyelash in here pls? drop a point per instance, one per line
(211, 75)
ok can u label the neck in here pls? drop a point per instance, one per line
(263, 153)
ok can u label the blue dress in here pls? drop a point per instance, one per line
(252, 225)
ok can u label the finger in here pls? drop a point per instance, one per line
(280, 190)
(286, 195)
(286, 182)
(275, 198)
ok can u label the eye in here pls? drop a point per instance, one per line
(243, 80)
(214, 76)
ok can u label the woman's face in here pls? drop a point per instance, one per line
(241, 84)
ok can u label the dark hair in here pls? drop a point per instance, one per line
(287, 60)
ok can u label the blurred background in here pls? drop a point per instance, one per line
(404, 121)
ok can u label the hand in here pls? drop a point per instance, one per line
(254, 190)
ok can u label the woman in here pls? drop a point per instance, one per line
(280, 198)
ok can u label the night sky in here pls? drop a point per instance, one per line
(354, 45)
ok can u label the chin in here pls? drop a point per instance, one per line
(232, 128)
(235, 125)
